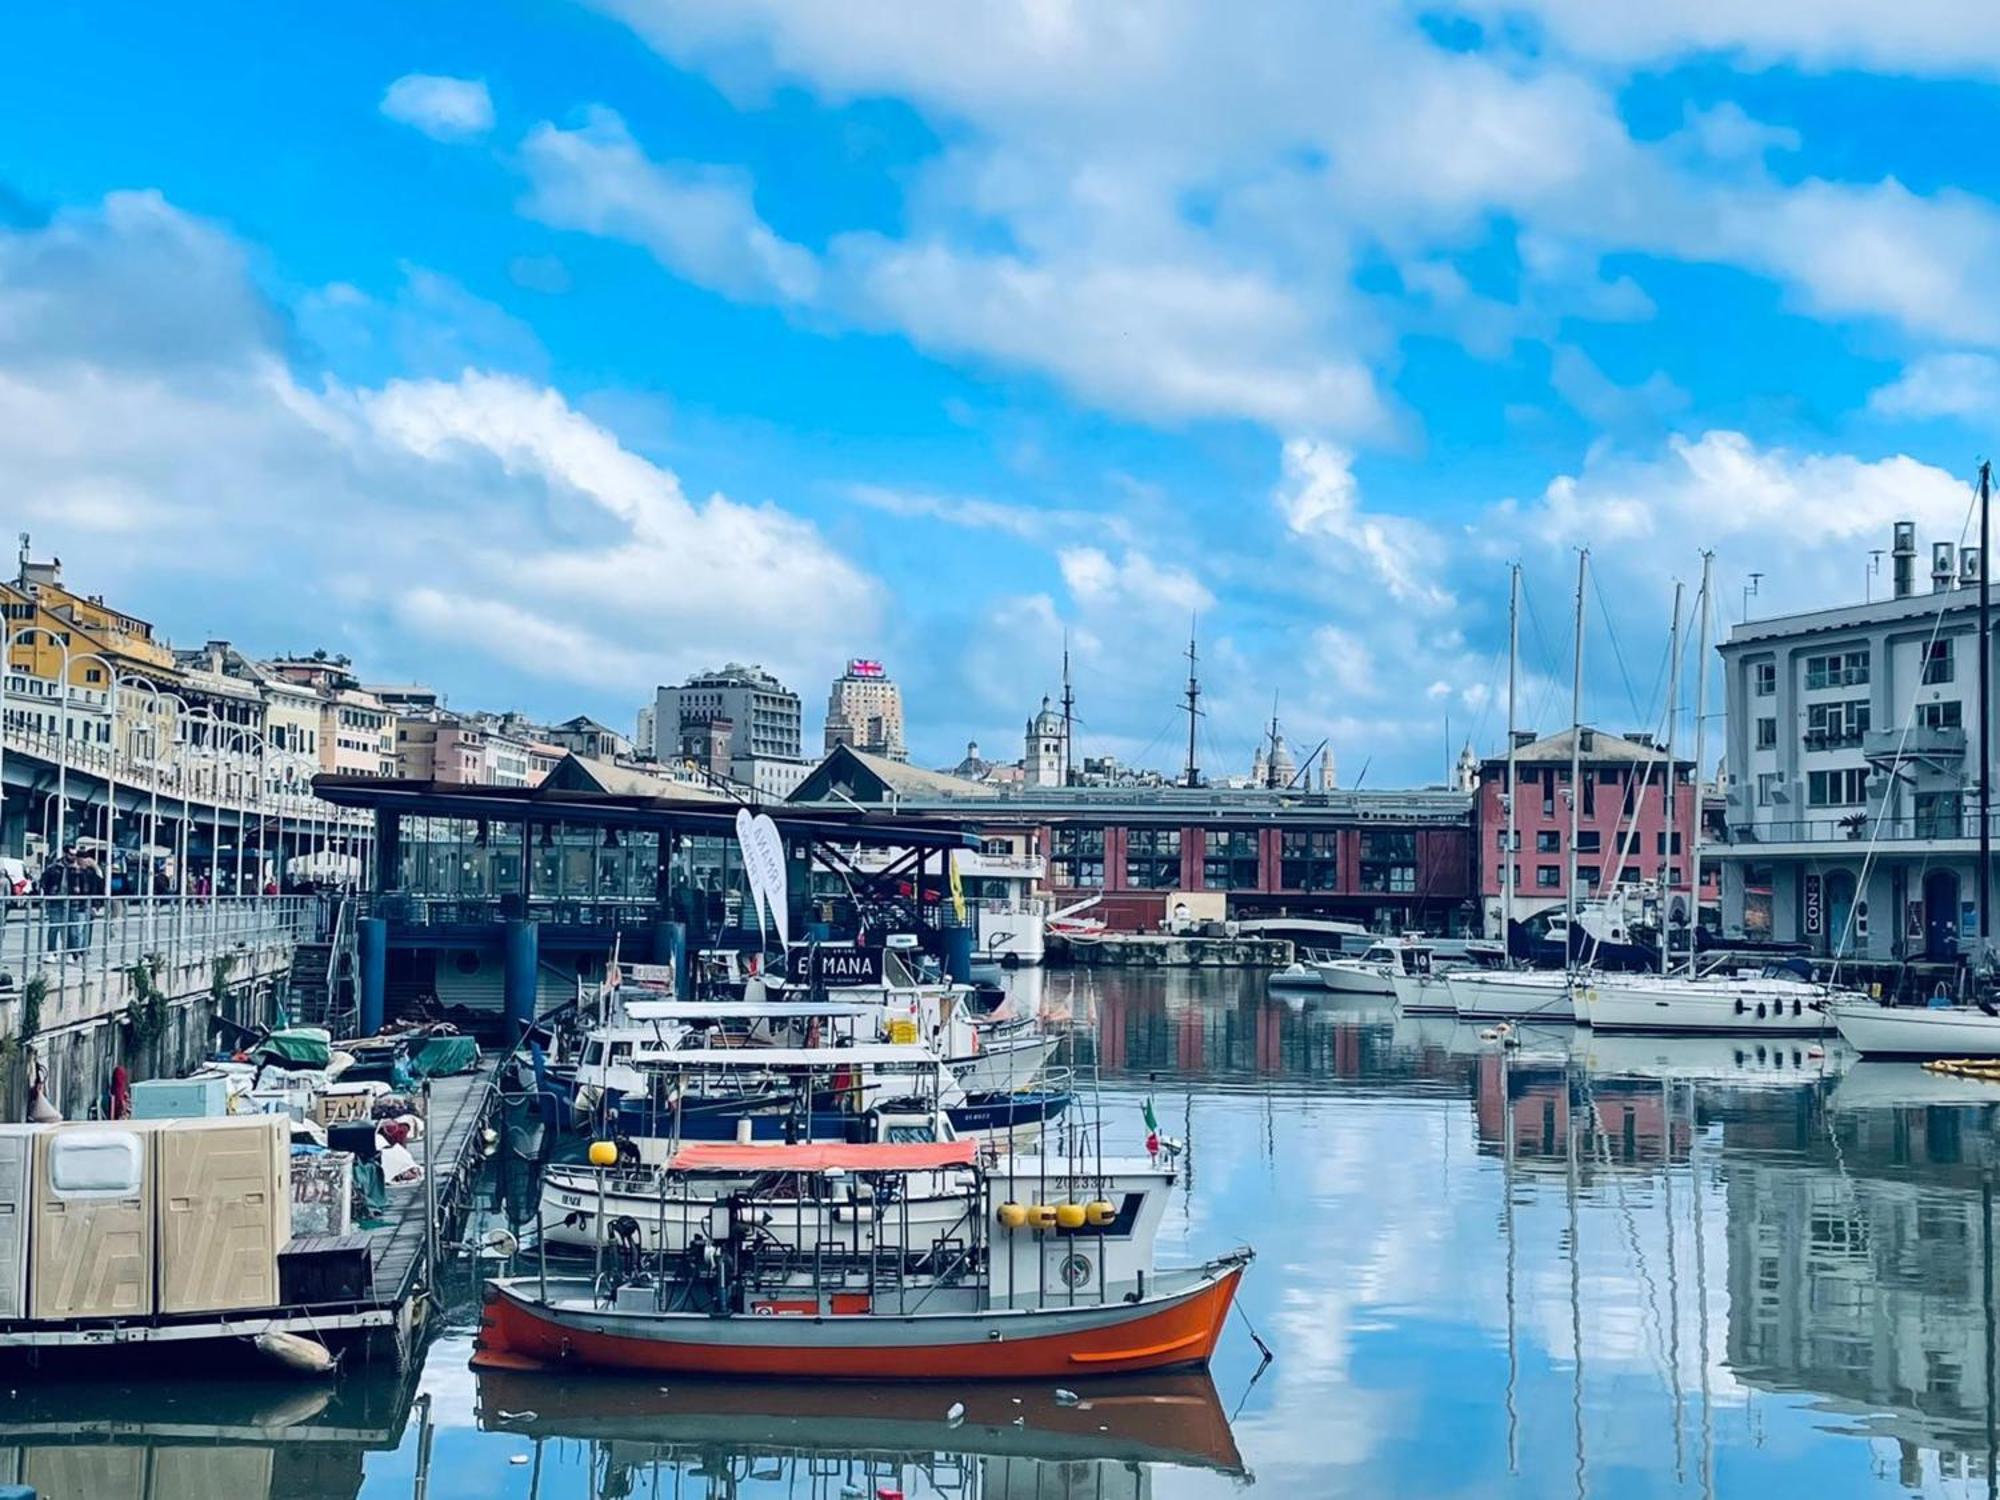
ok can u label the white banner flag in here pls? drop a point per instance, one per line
(763, 850)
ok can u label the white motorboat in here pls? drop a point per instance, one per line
(1366, 975)
(1511, 995)
(1915, 1031)
(1005, 1065)
(1775, 1002)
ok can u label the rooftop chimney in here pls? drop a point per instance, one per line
(1905, 555)
(1968, 567)
(1944, 566)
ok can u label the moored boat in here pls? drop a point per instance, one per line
(1511, 995)
(1913, 1031)
(1774, 1002)
(1012, 1290)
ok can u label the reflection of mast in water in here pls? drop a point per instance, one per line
(1507, 1219)
(1673, 1282)
(1986, 1289)
(1575, 1287)
(1701, 1301)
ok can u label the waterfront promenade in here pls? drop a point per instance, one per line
(87, 983)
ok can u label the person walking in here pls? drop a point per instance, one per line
(86, 882)
(53, 886)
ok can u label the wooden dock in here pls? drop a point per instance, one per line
(389, 1320)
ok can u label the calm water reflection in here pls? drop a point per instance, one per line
(1588, 1266)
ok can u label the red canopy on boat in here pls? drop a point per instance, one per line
(871, 1156)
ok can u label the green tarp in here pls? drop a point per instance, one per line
(295, 1047)
(437, 1056)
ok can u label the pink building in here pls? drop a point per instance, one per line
(1622, 835)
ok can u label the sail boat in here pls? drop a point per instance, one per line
(1534, 995)
(1777, 1002)
(1948, 1030)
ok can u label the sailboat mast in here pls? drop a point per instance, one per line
(1575, 761)
(1985, 713)
(1193, 711)
(1511, 856)
(1704, 606)
(1673, 709)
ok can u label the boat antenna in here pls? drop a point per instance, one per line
(1068, 718)
(1985, 714)
(1193, 778)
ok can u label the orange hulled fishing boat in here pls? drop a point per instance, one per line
(1043, 1275)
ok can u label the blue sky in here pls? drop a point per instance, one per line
(548, 351)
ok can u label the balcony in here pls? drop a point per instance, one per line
(1919, 742)
(1833, 739)
(1831, 826)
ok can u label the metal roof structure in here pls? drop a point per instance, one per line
(688, 811)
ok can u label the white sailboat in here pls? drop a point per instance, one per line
(1531, 995)
(1876, 1030)
(1773, 1002)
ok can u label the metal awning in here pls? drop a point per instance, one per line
(869, 1156)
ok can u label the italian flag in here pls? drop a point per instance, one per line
(1152, 1130)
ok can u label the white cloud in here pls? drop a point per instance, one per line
(1952, 37)
(1162, 212)
(1966, 386)
(1025, 522)
(1165, 341)
(446, 109)
(697, 221)
(476, 526)
(1320, 501)
(1613, 407)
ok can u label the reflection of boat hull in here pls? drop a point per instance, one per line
(1702, 1007)
(1905, 1085)
(1534, 995)
(1910, 1031)
(1784, 1061)
(1176, 1326)
(1172, 1418)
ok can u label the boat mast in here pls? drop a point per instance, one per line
(1673, 707)
(1193, 710)
(1271, 751)
(1704, 606)
(1069, 717)
(1512, 855)
(1985, 715)
(1575, 763)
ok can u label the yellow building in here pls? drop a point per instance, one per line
(52, 620)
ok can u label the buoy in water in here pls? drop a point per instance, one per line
(300, 1355)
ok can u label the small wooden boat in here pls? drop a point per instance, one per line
(1012, 1291)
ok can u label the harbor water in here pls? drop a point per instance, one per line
(1574, 1266)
